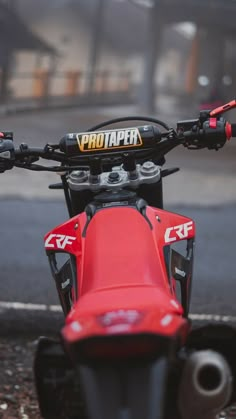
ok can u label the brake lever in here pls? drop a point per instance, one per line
(223, 108)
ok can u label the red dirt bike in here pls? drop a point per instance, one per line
(123, 270)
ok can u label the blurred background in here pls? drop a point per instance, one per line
(173, 52)
(66, 65)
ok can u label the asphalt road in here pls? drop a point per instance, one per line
(205, 190)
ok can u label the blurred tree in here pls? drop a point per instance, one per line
(5, 51)
(151, 55)
(96, 39)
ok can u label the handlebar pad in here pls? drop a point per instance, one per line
(121, 140)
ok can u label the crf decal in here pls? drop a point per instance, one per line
(178, 232)
(58, 241)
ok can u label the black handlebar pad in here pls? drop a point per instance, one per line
(110, 141)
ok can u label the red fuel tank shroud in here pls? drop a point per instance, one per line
(121, 270)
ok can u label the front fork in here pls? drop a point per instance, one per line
(197, 383)
(99, 390)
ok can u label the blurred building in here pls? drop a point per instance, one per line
(120, 37)
(15, 38)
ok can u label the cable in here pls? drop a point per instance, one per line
(130, 118)
(39, 168)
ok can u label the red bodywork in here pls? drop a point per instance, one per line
(122, 281)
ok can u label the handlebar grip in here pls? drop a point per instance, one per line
(7, 154)
(233, 130)
(230, 130)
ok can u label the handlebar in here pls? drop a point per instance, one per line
(210, 131)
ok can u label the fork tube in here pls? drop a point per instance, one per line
(67, 195)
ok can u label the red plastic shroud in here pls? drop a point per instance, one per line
(122, 280)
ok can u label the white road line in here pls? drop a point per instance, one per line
(8, 305)
(28, 306)
(213, 317)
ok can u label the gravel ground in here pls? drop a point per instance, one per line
(17, 392)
